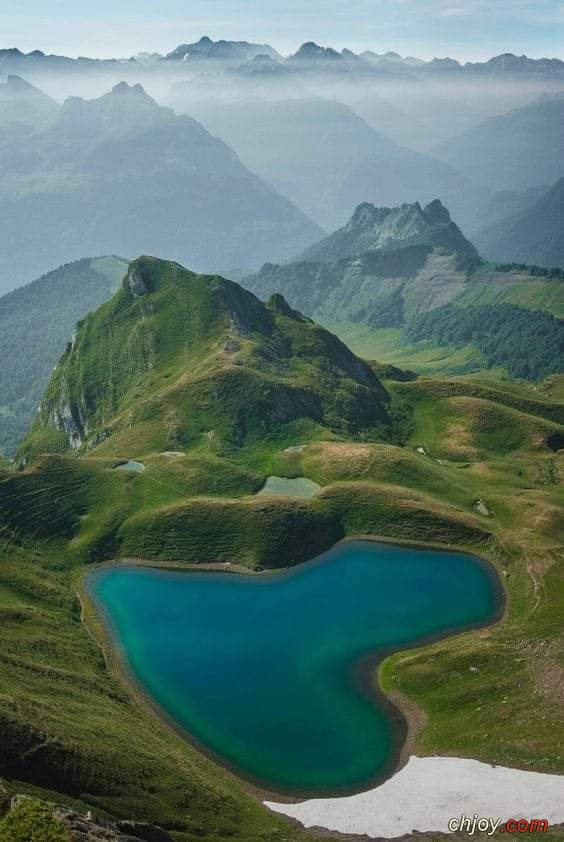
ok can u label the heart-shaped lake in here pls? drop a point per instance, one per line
(270, 672)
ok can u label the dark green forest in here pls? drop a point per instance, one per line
(528, 343)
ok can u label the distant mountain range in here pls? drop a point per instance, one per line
(535, 234)
(513, 151)
(416, 103)
(119, 175)
(13, 60)
(325, 158)
(220, 51)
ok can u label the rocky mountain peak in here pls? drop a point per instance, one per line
(386, 229)
(437, 214)
(312, 51)
(123, 89)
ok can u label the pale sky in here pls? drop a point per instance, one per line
(463, 29)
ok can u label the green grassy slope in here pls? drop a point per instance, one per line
(517, 288)
(468, 464)
(177, 360)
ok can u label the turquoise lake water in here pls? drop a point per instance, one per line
(283, 487)
(265, 671)
(136, 467)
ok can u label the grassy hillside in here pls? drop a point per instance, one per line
(72, 731)
(179, 361)
(528, 344)
(468, 464)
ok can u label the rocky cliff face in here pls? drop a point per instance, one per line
(387, 229)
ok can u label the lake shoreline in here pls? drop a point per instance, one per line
(406, 718)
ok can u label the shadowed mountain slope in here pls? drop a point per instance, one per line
(122, 175)
(513, 151)
(535, 235)
(324, 157)
(23, 108)
(36, 322)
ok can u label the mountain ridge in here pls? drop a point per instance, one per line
(535, 235)
(386, 229)
(351, 162)
(515, 150)
(396, 276)
(121, 175)
(177, 360)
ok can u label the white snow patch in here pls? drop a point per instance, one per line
(428, 792)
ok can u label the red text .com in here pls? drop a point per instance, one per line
(472, 824)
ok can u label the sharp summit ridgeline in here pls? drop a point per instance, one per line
(176, 359)
(393, 279)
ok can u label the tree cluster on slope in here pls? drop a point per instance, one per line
(527, 343)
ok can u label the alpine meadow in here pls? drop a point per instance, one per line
(281, 422)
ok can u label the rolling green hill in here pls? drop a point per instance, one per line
(180, 361)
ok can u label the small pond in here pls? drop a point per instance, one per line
(283, 487)
(136, 467)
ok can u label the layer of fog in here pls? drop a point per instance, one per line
(326, 140)
(417, 112)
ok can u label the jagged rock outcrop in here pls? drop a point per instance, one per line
(380, 269)
(387, 229)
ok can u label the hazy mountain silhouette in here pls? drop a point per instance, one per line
(220, 51)
(119, 175)
(535, 235)
(520, 149)
(23, 108)
(326, 159)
